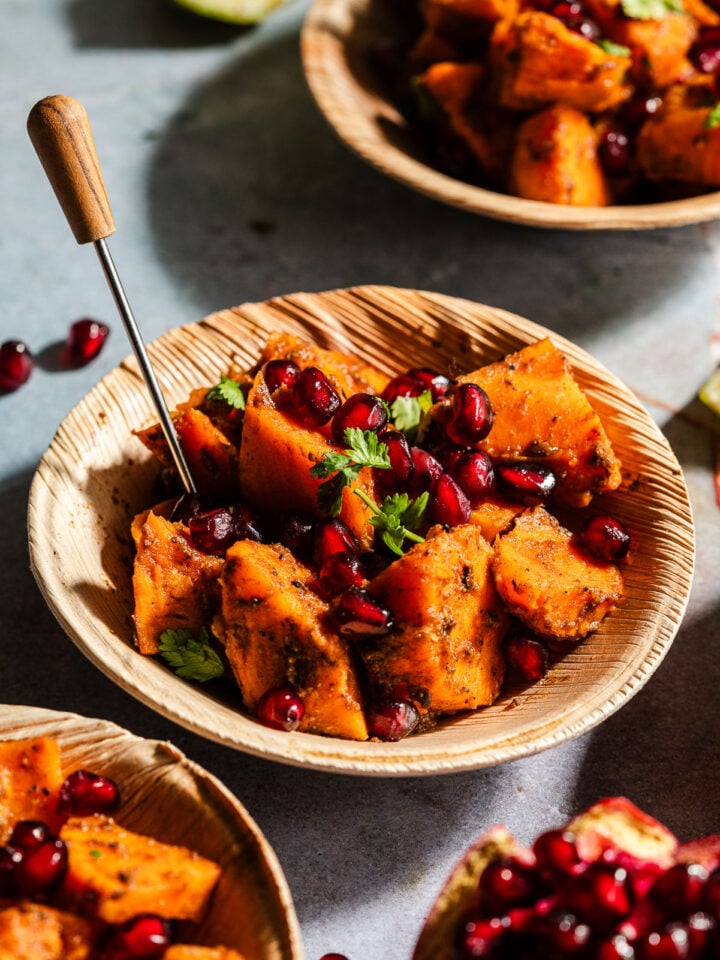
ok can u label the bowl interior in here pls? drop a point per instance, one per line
(96, 475)
(337, 48)
(169, 797)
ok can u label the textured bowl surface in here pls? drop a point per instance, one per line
(96, 475)
(251, 909)
(337, 41)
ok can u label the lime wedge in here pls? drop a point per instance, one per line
(710, 392)
(232, 11)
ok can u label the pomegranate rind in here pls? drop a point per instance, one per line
(616, 823)
(460, 892)
(704, 850)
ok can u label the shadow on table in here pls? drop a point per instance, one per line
(250, 194)
(661, 749)
(144, 23)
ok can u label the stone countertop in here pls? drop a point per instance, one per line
(227, 186)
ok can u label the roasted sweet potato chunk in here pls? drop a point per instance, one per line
(33, 931)
(276, 632)
(682, 143)
(537, 60)
(542, 414)
(276, 456)
(555, 160)
(449, 623)
(494, 515)
(30, 778)
(182, 951)
(175, 586)
(550, 582)
(118, 874)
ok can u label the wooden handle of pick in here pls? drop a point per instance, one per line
(60, 132)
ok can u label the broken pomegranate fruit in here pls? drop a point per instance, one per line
(612, 884)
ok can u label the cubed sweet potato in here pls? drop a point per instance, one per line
(276, 456)
(30, 779)
(494, 515)
(182, 951)
(347, 373)
(33, 931)
(536, 60)
(467, 18)
(175, 586)
(116, 874)
(487, 130)
(550, 582)
(276, 632)
(542, 414)
(431, 47)
(449, 623)
(681, 143)
(555, 160)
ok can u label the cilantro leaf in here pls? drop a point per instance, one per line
(396, 518)
(329, 494)
(230, 391)
(712, 120)
(190, 658)
(614, 49)
(650, 9)
(408, 412)
(329, 464)
(339, 470)
(365, 448)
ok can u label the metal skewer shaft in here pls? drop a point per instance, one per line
(60, 132)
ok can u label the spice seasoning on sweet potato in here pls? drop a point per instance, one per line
(175, 586)
(449, 623)
(33, 931)
(30, 777)
(276, 632)
(550, 582)
(184, 951)
(681, 143)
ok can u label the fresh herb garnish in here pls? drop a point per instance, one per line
(408, 413)
(340, 469)
(230, 391)
(614, 49)
(712, 120)
(396, 518)
(650, 9)
(191, 658)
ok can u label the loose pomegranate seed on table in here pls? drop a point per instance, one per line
(361, 410)
(359, 614)
(280, 373)
(605, 537)
(84, 793)
(84, 342)
(315, 399)
(16, 365)
(472, 415)
(281, 708)
(392, 719)
(145, 937)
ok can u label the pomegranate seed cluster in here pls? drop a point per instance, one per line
(372, 479)
(84, 341)
(553, 902)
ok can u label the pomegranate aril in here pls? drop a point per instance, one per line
(474, 474)
(10, 859)
(566, 10)
(85, 340)
(359, 614)
(42, 867)
(557, 854)
(392, 719)
(84, 793)
(187, 505)
(281, 708)
(640, 109)
(472, 415)
(525, 479)
(145, 937)
(507, 883)
(426, 469)
(436, 383)
(585, 27)
(362, 411)
(247, 526)
(527, 656)
(481, 938)
(297, 533)
(401, 459)
(672, 943)
(402, 386)
(280, 373)
(700, 927)
(602, 895)
(333, 536)
(28, 834)
(679, 891)
(449, 456)
(705, 52)
(617, 947)
(448, 504)
(605, 537)
(340, 571)
(615, 152)
(16, 365)
(213, 532)
(314, 397)
(333, 956)
(562, 933)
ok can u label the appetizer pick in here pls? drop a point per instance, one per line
(367, 554)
